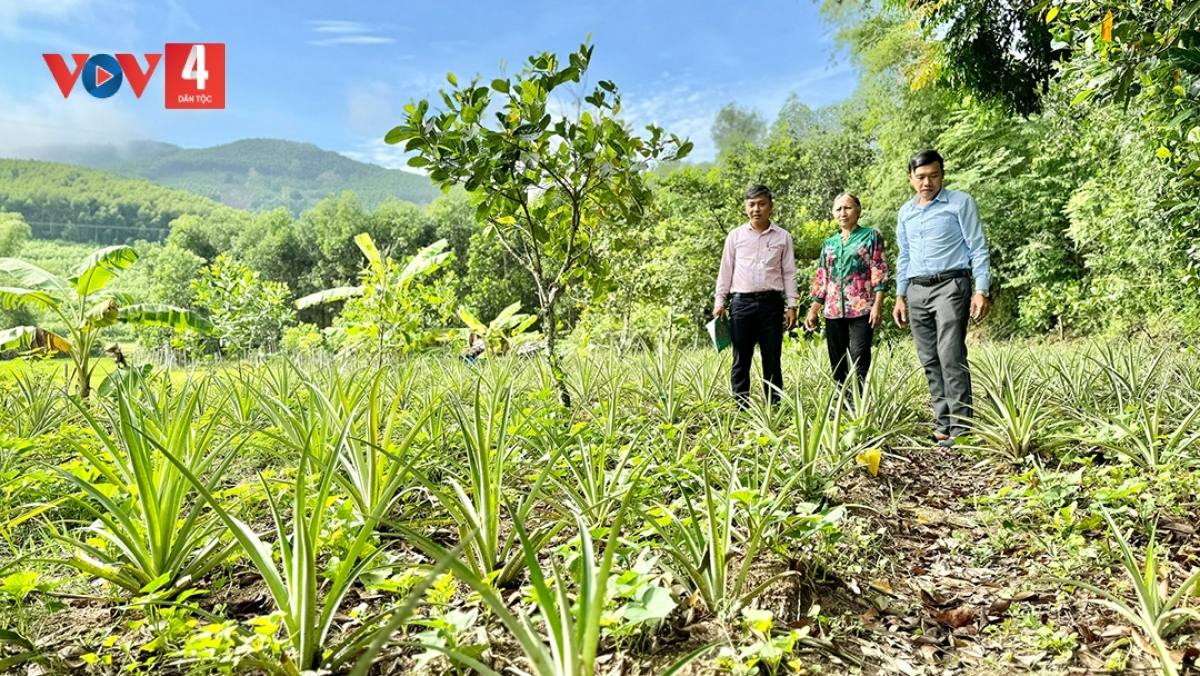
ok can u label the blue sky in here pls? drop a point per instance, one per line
(337, 74)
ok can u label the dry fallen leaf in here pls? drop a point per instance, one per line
(1032, 597)
(932, 598)
(999, 606)
(1181, 527)
(1113, 632)
(1090, 660)
(1086, 632)
(1185, 656)
(881, 585)
(1143, 643)
(72, 656)
(957, 617)
(901, 666)
(1030, 660)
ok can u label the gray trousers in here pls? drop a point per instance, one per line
(938, 316)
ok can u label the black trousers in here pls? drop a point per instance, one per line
(849, 341)
(757, 320)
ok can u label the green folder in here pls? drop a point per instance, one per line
(720, 332)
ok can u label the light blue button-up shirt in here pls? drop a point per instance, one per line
(944, 235)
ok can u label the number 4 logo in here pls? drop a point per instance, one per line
(194, 68)
(195, 75)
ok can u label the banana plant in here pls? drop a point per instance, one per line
(499, 334)
(85, 306)
(391, 309)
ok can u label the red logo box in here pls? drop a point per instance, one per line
(195, 74)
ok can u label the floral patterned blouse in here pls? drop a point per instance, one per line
(850, 273)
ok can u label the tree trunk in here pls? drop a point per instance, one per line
(560, 377)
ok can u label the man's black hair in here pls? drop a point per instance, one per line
(757, 191)
(923, 158)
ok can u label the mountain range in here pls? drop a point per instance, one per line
(251, 174)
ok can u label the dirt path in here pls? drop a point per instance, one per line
(938, 592)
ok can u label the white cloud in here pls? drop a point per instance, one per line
(347, 32)
(376, 151)
(14, 12)
(683, 107)
(49, 119)
(340, 27)
(353, 40)
(371, 108)
(178, 15)
(24, 20)
(682, 110)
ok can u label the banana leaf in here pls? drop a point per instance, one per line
(329, 296)
(154, 314)
(424, 259)
(32, 336)
(31, 275)
(102, 314)
(12, 298)
(100, 267)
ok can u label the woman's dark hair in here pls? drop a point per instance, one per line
(857, 202)
(923, 158)
(757, 191)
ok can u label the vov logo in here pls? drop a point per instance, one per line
(194, 72)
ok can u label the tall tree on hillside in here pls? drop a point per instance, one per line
(736, 127)
(546, 183)
(14, 232)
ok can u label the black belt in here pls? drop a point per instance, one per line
(758, 294)
(930, 280)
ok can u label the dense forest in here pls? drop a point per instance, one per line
(64, 202)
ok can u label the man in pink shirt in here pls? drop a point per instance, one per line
(758, 268)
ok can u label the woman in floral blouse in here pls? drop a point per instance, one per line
(851, 278)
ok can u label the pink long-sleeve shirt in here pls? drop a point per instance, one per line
(757, 261)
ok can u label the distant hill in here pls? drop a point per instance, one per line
(60, 201)
(97, 155)
(261, 174)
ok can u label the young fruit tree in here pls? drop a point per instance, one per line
(84, 305)
(547, 185)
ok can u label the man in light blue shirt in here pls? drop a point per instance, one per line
(942, 247)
